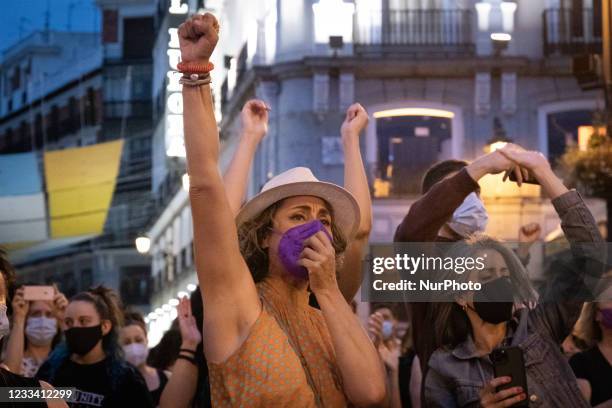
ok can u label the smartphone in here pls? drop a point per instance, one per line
(530, 180)
(509, 361)
(38, 292)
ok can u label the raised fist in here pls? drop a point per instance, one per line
(254, 118)
(198, 37)
(355, 121)
(530, 233)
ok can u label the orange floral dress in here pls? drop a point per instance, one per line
(287, 360)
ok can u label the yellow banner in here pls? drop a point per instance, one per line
(80, 200)
(80, 184)
(82, 166)
(73, 226)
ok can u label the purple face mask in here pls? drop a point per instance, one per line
(606, 318)
(291, 246)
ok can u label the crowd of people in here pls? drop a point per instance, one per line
(272, 323)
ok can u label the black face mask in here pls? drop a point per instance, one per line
(80, 340)
(489, 301)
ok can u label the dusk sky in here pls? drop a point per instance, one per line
(13, 15)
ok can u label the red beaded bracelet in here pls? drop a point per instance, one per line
(194, 67)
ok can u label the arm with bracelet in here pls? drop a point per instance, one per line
(182, 385)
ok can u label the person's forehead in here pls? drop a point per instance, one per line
(490, 254)
(132, 330)
(81, 307)
(304, 200)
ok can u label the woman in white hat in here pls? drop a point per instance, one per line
(264, 345)
(254, 126)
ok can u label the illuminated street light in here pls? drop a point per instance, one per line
(191, 287)
(173, 302)
(502, 37)
(500, 41)
(143, 244)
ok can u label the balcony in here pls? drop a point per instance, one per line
(571, 31)
(413, 31)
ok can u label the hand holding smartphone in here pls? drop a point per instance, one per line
(509, 362)
(38, 293)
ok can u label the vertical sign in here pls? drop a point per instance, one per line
(175, 141)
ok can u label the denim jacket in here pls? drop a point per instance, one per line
(456, 376)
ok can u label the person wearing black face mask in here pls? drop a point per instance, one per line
(461, 373)
(90, 360)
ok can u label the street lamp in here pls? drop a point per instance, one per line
(143, 244)
(500, 41)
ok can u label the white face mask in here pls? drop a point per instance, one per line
(136, 353)
(470, 217)
(387, 329)
(41, 330)
(5, 327)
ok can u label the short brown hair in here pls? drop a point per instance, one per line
(440, 170)
(132, 317)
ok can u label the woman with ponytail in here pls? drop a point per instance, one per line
(91, 360)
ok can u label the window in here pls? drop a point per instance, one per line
(140, 148)
(54, 126)
(135, 284)
(90, 107)
(109, 21)
(184, 259)
(563, 130)
(138, 37)
(9, 139)
(86, 279)
(66, 282)
(407, 147)
(38, 131)
(15, 79)
(74, 114)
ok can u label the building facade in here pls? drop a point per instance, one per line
(440, 79)
(72, 89)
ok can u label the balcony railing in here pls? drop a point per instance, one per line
(572, 31)
(412, 30)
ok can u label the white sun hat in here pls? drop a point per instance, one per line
(300, 181)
